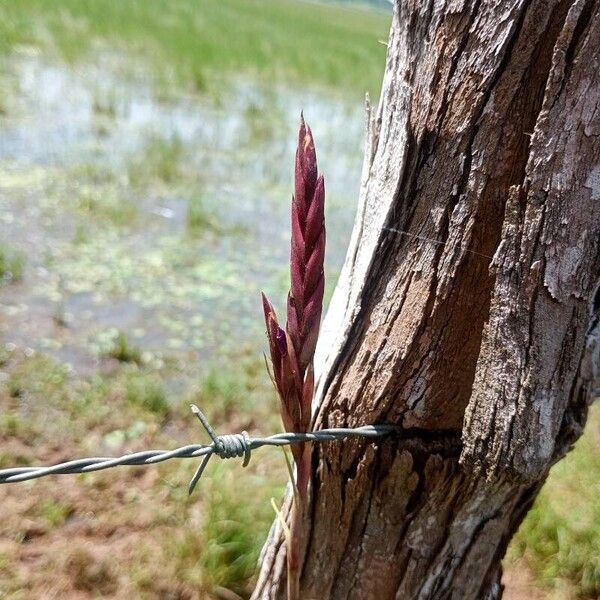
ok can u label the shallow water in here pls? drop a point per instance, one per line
(107, 239)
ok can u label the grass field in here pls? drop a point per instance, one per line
(110, 534)
(191, 43)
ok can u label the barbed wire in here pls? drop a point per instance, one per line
(223, 446)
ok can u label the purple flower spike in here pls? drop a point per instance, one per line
(292, 350)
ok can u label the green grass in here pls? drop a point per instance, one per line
(106, 204)
(237, 389)
(204, 544)
(198, 218)
(560, 538)
(54, 512)
(188, 42)
(233, 534)
(3, 102)
(35, 376)
(147, 392)
(105, 105)
(14, 426)
(224, 552)
(12, 265)
(97, 195)
(224, 388)
(123, 350)
(159, 161)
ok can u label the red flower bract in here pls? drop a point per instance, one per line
(292, 351)
(292, 355)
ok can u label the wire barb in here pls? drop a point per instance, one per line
(224, 446)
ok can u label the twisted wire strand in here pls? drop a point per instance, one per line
(224, 446)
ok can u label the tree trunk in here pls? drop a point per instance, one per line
(464, 312)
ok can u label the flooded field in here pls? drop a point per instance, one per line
(160, 219)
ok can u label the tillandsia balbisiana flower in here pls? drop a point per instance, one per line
(292, 350)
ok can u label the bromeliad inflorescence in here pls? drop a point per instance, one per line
(292, 350)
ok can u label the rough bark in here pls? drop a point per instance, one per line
(465, 309)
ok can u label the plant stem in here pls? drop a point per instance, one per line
(297, 533)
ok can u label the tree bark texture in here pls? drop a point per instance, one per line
(465, 310)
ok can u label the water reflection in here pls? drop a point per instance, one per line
(162, 219)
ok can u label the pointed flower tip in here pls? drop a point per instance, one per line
(267, 306)
(304, 130)
(305, 136)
